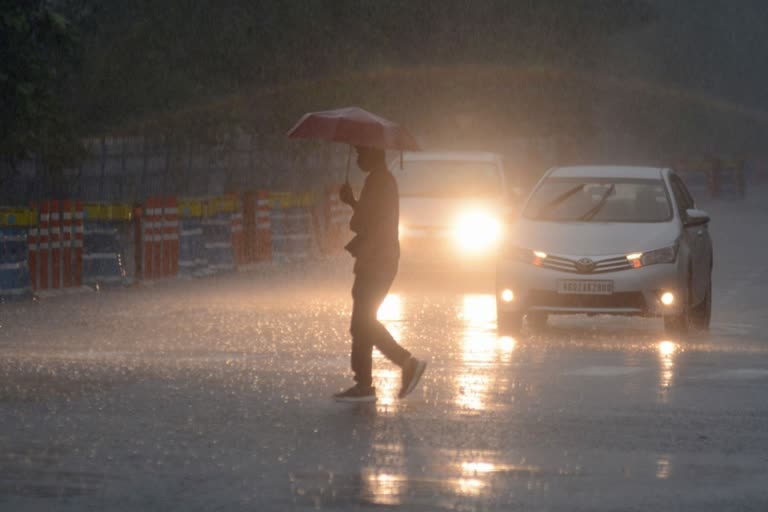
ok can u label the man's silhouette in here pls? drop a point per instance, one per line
(376, 250)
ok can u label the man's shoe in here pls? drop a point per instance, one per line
(412, 372)
(357, 394)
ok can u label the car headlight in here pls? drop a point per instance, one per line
(476, 231)
(663, 255)
(525, 255)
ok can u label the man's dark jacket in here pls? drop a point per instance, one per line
(376, 247)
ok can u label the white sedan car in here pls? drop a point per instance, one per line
(607, 240)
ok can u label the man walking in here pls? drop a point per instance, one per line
(376, 250)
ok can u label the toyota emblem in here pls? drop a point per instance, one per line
(585, 265)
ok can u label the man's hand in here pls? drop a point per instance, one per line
(346, 195)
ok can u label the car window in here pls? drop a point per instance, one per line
(682, 196)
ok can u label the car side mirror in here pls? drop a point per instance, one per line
(696, 217)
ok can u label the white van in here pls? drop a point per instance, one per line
(453, 208)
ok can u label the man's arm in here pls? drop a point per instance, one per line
(346, 195)
(364, 210)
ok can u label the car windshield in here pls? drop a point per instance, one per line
(600, 200)
(447, 178)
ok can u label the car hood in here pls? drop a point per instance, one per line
(440, 213)
(592, 238)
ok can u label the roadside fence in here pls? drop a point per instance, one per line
(60, 244)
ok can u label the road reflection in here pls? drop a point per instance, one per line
(481, 350)
(667, 351)
(663, 467)
(386, 377)
(391, 314)
(478, 477)
(385, 479)
(383, 488)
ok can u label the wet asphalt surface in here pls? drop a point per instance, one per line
(214, 395)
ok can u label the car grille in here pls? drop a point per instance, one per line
(603, 266)
(624, 300)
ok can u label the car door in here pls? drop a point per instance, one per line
(697, 238)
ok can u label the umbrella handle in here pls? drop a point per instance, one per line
(349, 158)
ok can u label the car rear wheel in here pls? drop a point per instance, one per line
(702, 314)
(509, 323)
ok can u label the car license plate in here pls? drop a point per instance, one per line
(584, 287)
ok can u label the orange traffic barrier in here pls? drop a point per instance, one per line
(238, 235)
(66, 241)
(170, 237)
(77, 246)
(45, 217)
(55, 234)
(32, 243)
(159, 238)
(55, 245)
(263, 227)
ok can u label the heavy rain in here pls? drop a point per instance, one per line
(197, 217)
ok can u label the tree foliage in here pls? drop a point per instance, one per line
(145, 59)
(38, 48)
(205, 69)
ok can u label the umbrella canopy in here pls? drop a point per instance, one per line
(354, 126)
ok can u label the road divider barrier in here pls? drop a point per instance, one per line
(292, 233)
(217, 233)
(55, 245)
(158, 239)
(15, 282)
(192, 254)
(238, 235)
(103, 252)
(64, 243)
(337, 217)
(263, 224)
(257, 228)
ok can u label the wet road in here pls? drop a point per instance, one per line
(214, 395)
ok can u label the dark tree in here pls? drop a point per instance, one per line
(37, 53)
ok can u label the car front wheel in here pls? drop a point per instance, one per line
(678, 324)
(701, 315)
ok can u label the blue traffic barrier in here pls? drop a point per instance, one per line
(102, 254)
(15, 283)
(217, 234)
(193, 257)
(291, 234)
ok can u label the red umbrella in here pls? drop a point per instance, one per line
(354, 126)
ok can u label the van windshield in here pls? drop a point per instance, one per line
(447, 178)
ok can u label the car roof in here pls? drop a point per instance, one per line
(469, 156)
(607, 171)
